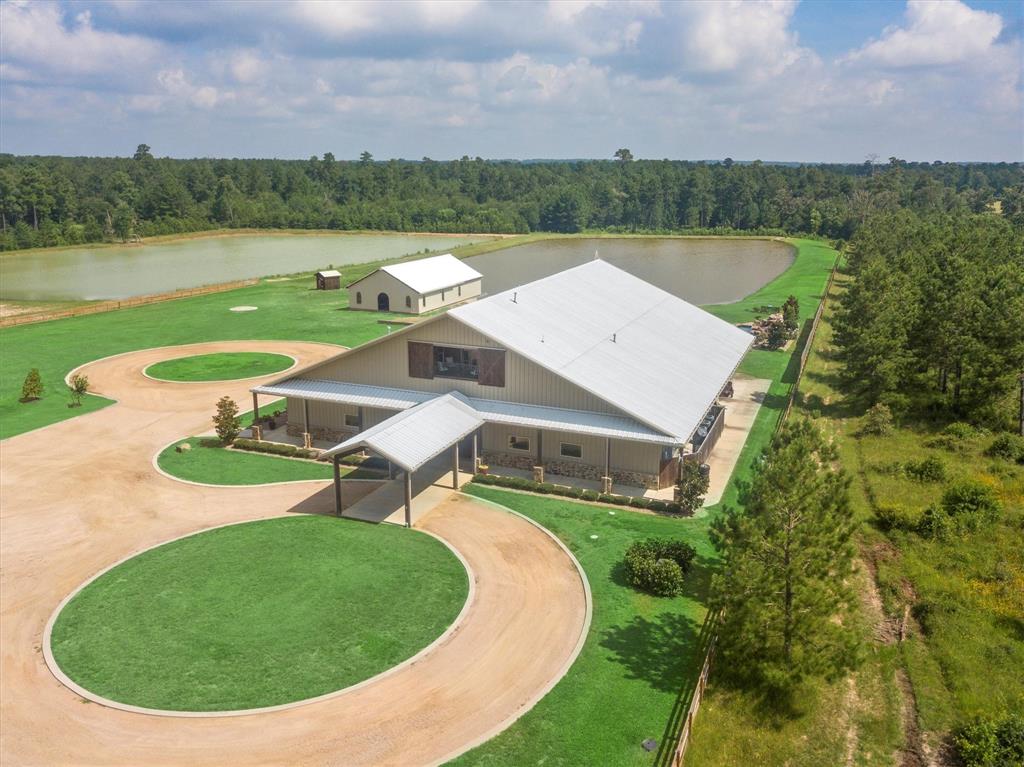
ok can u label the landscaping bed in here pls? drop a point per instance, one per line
(259, 614)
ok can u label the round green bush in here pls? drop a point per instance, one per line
(992, 742)
(926, 470)
(657, 565)
(1009, 447)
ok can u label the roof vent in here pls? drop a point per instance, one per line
(613, 337)
(515, 295)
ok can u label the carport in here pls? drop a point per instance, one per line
(411, 438)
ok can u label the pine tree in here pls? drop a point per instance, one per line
(783, 591)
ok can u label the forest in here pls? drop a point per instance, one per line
(52, 201)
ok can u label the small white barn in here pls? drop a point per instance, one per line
(415, 287)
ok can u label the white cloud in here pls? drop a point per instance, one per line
(936, 32)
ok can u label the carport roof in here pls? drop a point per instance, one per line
(411, 438)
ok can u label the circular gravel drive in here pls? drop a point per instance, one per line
(83, 494)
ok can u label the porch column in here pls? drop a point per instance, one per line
(455, 466)
(306, 437)
(359, 415)
(540, 447)
(474, 456)
(257, 433)
(608, 456)
(337, 485)
(408, 498)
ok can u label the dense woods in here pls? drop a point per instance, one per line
(933, 321)
(46, 201)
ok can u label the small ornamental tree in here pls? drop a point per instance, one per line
(32, 389)
(226, 422)
(878, 420)
(692, 487)
(78, 388)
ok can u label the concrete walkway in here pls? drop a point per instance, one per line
(740, 412)
(79, 495)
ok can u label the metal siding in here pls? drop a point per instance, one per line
(387, 364)
(429, 275)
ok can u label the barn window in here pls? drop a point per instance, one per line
(351, 419)
(460, 290)
(408, 302)
(569, 450)
(518, 443)
(456, 362)
(442, 295)
(359, 297)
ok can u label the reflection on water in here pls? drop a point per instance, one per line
(136, 270)
(700, 270)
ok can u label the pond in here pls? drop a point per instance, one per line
(711, 270)
(90, 273)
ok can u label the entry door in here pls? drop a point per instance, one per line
(383, 303)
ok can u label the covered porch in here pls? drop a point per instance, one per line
(423, 444)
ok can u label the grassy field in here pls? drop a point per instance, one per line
(964, 651)
(223, 366)
(237, 617)
(639, 660)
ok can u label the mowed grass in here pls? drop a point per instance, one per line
(259, 614)
(223, 366)
(641, 657)
(216, 465)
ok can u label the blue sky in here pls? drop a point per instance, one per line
(779, 80)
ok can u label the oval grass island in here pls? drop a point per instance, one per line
(258, 614)
(223, 366)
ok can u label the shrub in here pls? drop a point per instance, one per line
(576, 493)
(935, 523)
(959, 430)
(658, 565)
(226, 422)
(590, 495)
(971, 503)
(32, 388)
(1009, 447)
(897, 517)
(926, 470)
(274, 448)
(993, 742)
(878, 420)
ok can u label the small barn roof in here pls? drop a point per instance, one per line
(428, 275)
(414, 436)
(329, 273)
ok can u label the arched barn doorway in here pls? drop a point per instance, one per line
(383, 303)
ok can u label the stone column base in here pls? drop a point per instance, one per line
(257, 432)
(307, 440)
(606, 484)
(538, 473)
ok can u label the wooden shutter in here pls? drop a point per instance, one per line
(492, 367)
(421, 360)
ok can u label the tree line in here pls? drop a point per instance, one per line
(933, 321)
(47, 201)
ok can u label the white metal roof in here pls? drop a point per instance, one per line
(491, 411)
(342, 393)
(428, 275)
(651, 354)
(411, 438)
(329, 273)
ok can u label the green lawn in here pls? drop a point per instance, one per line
(224, 366)
(222, 466)
(259, 614)
(637, 668)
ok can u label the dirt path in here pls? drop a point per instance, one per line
(81, 494)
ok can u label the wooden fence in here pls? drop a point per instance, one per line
(698, 692)
(126, 303)
(700, 455)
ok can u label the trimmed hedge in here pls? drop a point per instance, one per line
(565, 491)
(658, 565)
(274, 448)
